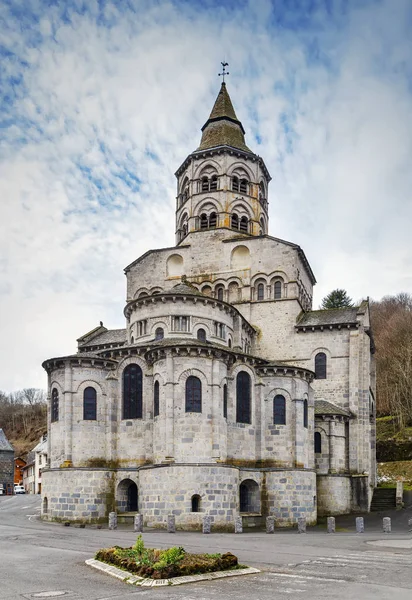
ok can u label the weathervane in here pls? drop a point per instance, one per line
(223, 73)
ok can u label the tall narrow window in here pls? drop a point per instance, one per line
(132, 392)
(55, 405)
(159, 333)
(235, 222)
(244, 225)
(193, 394)
(220, 293)
(305, 414)
(320, 365)
(212, 219)
(243, 386)
(89, 404)
(201, 335)
(260, 291)
(279, 410)
(203, 221)
(205, 184)
(235, 184)
(196, 503)
(156, 394)
(213, 183)
(225, 401)
(277, 290)
(318, 443)
(243, 186)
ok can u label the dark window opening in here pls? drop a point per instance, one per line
(193, 394)
(196, 503)
(260, 291)
(159, 333)
(243, 388)
(55, 405)
(244, 224)
(89, 404)
(235, 222)
(220, 293)
(201, 335)
(205, 184)
(156, 399)
(279, 410)
(305, 414)
(249, 497)
(225, 401)
(235, 184)
(132, 392)
(132, 498)
(243, 186)
(320, 366)
(278, 290)
(212, 219)
(318, 442)
(213, 183)
(203, 221)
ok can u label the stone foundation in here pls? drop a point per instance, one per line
(334, 494)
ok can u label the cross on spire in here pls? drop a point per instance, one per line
(223, 73)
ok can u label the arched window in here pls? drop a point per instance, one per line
(225, 401)
(244, 224)
(132, 340)
(260, 291)
(89, 404)
(203, 221)
(156, 403)
(196, 503)
(249, 497)
(207, 290)
(201, 335)
(55, 405)
(235, 221)
(132, 392)
(193, 394)
(320, 365)
(277, 290)
(212, 219)
(220, 293)
(305, 414)
(213, 183)
(159, 333)
(279, 410)
(229, 343)
(205, 184)
(235, 184)
(243, 386)
(184, 229)
(318, 443)
(262, 226)
(261, 191)
(243, 186)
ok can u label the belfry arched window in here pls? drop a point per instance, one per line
(220, 293)
(235, 184)
(132, 392)
(305, 414)
(318, 443)
(235, 221)
(261, 291)
(205, 184)
(213, 183)
(320, 365)
(156, 399)
(203, 221)
(243, 399)
(243, 186)
(277, 289)
(54, 405)
(213, 219)
(244, 225)
(89, 404)
(193, 394)
(279, 410)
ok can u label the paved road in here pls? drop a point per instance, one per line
(42, 560)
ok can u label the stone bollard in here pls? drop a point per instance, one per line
(302, 525)
(238, 525)
(386, 525)
(207, 524)
(138, 523)
(112, 520)
(270, 524)
(360, 525)
(331, 526)
(399, 494)
(171, 524)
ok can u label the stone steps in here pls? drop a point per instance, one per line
(383, 499)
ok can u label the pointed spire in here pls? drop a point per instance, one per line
(223, 128)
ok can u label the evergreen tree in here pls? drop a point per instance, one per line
(337, 299)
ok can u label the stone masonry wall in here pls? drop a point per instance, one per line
(334, 494)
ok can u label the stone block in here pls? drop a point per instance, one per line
(207, 524)
(386, 522)
(360, 525)
(302, 525)
(270, 524)
(138, 523)
(331, 526)
(238, 525)
(171, 524)
(112, 520)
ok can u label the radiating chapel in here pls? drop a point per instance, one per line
(225, 394)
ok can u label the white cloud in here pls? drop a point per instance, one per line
(102, 109)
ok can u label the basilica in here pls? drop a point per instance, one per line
(225, 394)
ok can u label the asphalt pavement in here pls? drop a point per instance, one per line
(46, 560)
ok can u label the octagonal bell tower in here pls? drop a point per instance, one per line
(222, 184)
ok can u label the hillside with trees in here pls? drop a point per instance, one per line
(23, 417)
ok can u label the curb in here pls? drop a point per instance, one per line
(128, 577)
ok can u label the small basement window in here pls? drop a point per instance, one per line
(196, 503)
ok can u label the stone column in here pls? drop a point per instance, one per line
(399, 494)
(112, 520)
(386, 522)
(207, 524)
(331, 446)
(270, 524)
(238, 525)
(302, 525)
(169, 406)
(138, 523)
(112, 416)
(331, 528)
(171, 524)
(217, 408)
(68, 415)
(360, 525)
(299, 434)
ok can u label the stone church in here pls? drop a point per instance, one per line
(225, 394)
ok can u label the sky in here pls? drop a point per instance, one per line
(101, 101)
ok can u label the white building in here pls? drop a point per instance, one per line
(36, 461)
(225, 393)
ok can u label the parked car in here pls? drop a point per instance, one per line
(1, 490)
(19, 489)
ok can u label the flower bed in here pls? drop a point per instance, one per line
(164, 564)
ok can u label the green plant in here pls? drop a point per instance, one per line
(139, 546)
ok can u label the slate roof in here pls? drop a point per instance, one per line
(332, 316)
(184, 288)
(223, 128)
(4, 442)
(323, 407)
(111, 336)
